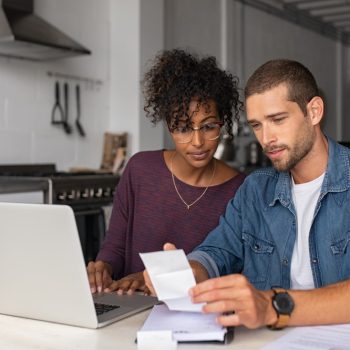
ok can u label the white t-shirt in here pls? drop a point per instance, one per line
(305, 198)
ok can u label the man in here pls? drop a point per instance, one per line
(282, 248)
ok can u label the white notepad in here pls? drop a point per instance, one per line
(185, 326)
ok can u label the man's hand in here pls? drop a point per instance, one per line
(99, 274)
(129, 284)
(233, 294)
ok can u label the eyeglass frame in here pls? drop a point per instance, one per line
(198, 128)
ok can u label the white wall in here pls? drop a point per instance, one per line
(152, 42)
(125, 69)
(136, 36)
(27, 92)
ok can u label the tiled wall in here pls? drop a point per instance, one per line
(27, 92)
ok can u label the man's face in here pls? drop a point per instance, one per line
(284, 132)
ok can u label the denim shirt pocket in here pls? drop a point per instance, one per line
(340, 246)
(257, 259)
(341, 253)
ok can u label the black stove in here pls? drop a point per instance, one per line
(72, 188)
(90, 194)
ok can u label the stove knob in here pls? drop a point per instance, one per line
(98, 192)
(85, 193)
(92, 192)
(71, 195)
(107, 192)
(61, 196)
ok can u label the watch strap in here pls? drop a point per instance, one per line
(282, 322)
(282, 319)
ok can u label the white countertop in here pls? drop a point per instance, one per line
(24, 334)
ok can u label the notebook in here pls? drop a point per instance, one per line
(187, 326)
(43, 274)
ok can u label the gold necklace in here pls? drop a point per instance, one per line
(188, 206)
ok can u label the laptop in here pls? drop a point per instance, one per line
(43, 274)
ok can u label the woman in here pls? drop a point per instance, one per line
(172, 195)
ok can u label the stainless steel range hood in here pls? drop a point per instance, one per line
(25, 35)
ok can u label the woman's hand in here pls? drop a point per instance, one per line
(129, 284)
(100, 276)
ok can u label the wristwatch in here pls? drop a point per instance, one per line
(283, 304)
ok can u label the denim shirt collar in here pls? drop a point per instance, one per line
(336, 179)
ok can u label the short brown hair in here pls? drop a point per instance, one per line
(301, 84)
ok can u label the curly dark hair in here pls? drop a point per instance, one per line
(177, 77)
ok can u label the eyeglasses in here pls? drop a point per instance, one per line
(184, 134)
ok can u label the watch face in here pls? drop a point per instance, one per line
(283, 303)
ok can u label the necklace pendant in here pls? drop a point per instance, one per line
(188, 206)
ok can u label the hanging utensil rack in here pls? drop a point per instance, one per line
(90, 81)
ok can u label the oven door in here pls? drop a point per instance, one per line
(91, 223)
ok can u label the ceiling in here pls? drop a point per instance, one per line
(328, 17)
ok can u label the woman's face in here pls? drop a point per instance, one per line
(199, 150)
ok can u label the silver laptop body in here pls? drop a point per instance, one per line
(42, 270)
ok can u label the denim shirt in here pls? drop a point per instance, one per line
(256, 235)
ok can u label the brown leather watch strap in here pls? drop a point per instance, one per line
(282, 322)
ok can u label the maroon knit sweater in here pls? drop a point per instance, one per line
(147, 213)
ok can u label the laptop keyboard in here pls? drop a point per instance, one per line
(103, 308)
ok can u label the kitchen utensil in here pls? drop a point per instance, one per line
(57, 114)
(67, 128)
(77, 121)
